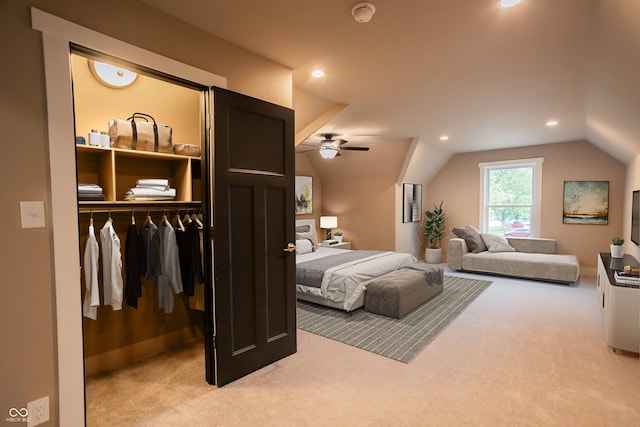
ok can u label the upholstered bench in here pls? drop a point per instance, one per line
(397, 293)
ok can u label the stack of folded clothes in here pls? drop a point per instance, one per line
(90, 193)
(151, 189)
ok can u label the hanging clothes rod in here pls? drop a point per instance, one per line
(139, 209)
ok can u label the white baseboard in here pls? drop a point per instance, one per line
(124, 356)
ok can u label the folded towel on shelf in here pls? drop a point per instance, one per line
(150, 194)
(152, 182)
(89, 189)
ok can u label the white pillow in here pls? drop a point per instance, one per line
(497, 243)
(304, 246)
(308, 235)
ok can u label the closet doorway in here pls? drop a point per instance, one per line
(263, 320)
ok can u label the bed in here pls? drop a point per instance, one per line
(338, 277)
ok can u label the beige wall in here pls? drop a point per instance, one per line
(360, 188)
(458, 183)
(305, 168)
(28, 368)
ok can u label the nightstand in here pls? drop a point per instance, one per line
(343, 245)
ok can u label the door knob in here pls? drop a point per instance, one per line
(290, 248)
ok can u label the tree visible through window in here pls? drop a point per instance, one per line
(511, 197)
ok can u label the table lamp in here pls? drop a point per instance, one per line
(328, 222)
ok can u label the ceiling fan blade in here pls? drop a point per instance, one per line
(355, 148)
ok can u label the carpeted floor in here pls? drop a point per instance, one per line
(399, 339)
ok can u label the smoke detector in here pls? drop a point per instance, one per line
(363, 12)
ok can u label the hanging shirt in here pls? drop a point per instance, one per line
(190, 258)
(170, 281)
(111, 266)
(133, 287)
(150, 260)
(92, 292)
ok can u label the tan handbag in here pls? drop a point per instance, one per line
(140, 135)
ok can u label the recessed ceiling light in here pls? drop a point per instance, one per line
(444, 138)
(508, 3)
(552, 123)
(317, 73)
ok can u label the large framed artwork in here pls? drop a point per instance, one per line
(586, 202)
(411, 202)
(304, 195)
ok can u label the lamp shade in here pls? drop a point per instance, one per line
(328, 221)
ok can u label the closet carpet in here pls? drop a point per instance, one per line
(522, 354)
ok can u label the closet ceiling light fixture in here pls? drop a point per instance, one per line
(444, 138)
(508, 3)
(363, 12)
(552, 123)
(317, 74)
(111, 75)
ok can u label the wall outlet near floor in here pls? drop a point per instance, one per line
(38, 411)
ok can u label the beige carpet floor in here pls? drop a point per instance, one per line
(522, 354)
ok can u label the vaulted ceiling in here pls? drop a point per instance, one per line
(485, 76)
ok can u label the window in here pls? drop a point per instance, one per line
(510, 197)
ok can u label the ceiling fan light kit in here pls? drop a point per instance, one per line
(363, 12)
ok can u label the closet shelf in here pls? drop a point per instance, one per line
(131, 153)
(117, 170)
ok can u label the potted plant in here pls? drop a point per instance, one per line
(338, 235)
(617, 248)
(433, 232)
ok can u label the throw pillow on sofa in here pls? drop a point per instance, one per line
(497, 243)
(472, 236)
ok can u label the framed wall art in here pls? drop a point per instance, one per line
(586, 202)
(411, 202)
(304, 195)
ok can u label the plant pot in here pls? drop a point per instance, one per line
(617, 251)
(338, 238)
(433, 255)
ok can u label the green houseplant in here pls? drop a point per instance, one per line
(338, 235)
(617, 248)
(434, 224)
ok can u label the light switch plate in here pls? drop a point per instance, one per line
(32, 214)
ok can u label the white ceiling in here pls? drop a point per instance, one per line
(487, 77)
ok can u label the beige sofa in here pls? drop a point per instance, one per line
(533, 258)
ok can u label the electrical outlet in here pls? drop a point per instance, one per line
(38, 411)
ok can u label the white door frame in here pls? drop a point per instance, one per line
(57, 33)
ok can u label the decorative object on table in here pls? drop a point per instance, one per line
(617, 247)
(433, 232)
(304, 195)
(411, 202)
(338, 235)
(586, 202)
(144, 135)
(328, 222)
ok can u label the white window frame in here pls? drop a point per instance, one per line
(536, 209)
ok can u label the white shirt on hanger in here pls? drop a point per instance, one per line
(111, 266)
(92, 293)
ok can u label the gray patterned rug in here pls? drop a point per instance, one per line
(399, 339)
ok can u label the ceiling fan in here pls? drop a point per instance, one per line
(330, 147)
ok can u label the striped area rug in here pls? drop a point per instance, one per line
(399, 339)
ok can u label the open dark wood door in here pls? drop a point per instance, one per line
(253, 223)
